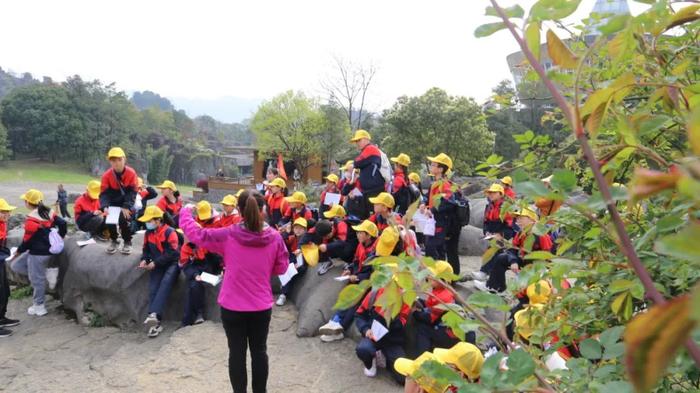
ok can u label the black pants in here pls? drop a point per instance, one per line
(429, 337)
(499, 265)
(452, 250)
(243, 330)
(4, 286)
(435, 245)
(64, 209)
(124, 227)
(94, 225)
(367, 349)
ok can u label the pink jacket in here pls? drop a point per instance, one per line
(250, 260)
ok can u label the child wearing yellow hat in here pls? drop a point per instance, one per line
(431, 332)
(369, 163)
(5, 322)
(384, 215)
(514, 258)
(230, 215)
(332, 182)
(292, 240)
(508, 189)
(390, 345)
(170, 203)
(296, 208)
(442, 212)
(88, 216)
(400, 188)
(276, 202)
(118, 189)
(343, 241)
(34, 253)
(193, 262)
(161, 252)
(494, 225)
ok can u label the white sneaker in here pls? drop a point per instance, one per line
(281, 300)
(480, 285)
(328, 338)
(372, 372)
(154, 331)
(151, 321)
(480, 276)
(38, 310)
(381, 359)
(331, 328)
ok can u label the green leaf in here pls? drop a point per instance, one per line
(615, 24)
(349, 296)
(611, 336)
(622, 306)
(669, 223)
(614, 351)
(488, 29)
(591, 349)
(683, 245)
(520, 366)
(515, 11)
(539, 255)
(616, 386)
(564, 180)
(618, 286)
(487, 300)
(532, 37)
(553, 9)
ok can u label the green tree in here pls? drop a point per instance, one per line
(437, 122)
(336, 133)
(4, 149)
(290, 124)
(159, 162)
(502, 120)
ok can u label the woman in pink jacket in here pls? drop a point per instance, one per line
(252, 252)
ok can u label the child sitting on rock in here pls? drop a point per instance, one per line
(384, 216)
(296, 207)
(343, 241)
(194, 261)
(170, 203)
(88, 216)
(118, 189)
(292, 239)
(161, 251)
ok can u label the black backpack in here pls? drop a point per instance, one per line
(462, 212)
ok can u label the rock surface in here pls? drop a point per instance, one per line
(471, 242)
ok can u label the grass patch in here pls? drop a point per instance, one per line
(21, 292)
(46, 172)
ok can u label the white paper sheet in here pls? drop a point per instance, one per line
(113, 215)
(378, 330)
(342, 278)
(210, 278)
(13, 252)
(356, 193)
(300, 260)
(83, 243)
(331, 199)
(287, 276)
(419, 220)
(429, 227)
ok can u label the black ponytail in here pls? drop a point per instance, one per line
(44, 211)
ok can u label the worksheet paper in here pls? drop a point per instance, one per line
(212, 279)
(287, 276)
(342, 278)
(419, 220)
(429, 227)
(113, 215)
(331, 199)
(83, 243)
(378, 330)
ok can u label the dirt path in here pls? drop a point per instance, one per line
(54, 354)
(12, 190)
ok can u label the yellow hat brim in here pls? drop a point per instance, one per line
(311, 254)
(146, 218)
(404, 366)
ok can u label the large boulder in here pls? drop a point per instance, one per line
(16, 221)
(314, 297)
(475, 185)
(477, 207)
(471, 241)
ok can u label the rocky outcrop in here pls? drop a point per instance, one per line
(314, 297)
(471, 241)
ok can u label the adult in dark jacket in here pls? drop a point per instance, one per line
(369, 163)
(118, 189)
(62, 200)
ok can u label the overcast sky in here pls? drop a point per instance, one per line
(256, 49)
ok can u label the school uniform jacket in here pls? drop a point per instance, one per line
(118, 189)
(493, 222)
(370, 311)
(290, 215)
(438, 203)
(276, 207)
(369, 162)
(431, 314)
(36, 233)
(401, 192)
(161, 246)
(84, 208)
(228, 220)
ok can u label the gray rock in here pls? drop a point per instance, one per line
(314, 297)
(476, 212)
(471, 242)
(15, 221)
(476, 185)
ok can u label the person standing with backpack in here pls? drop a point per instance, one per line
(374, 167)
(34, 253)
(439, 207)
(118, 189)
(5, 322)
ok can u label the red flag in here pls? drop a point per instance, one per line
(280, 166)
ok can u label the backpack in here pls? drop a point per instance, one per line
(55, 242)
(462, 211)
(385, 169)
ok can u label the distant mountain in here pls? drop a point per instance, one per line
(148, 99)
(10, 80)
(224, 109)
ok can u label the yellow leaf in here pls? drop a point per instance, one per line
(680, 69)
(623, 85)
(559, 52)
(622, 305)
(596, 99)
(652, 339)
(532, 36)
(489, 254)
(684, 15)
(595, 119)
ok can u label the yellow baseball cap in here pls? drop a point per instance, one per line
(332, 178)
(414, 177)
(203, 210)
(32, 196)
(116, 152)
(367, 226)
(385, 199)
(347, 165)
(229, 200)
(528, 320)
(93, 189)
(301, 221)
(443, 159)
(527, 212)
(465, 356)
(387, 242)
(167, 184)
(539, 292)
(402, 159)
(150, 213)
(507, 180)
(278, 182)
(335, 211)
(408, 367)
(297, 197)
(6, 207)
(361, 134)
(311, 254)
(495, 188)
(441, 269)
